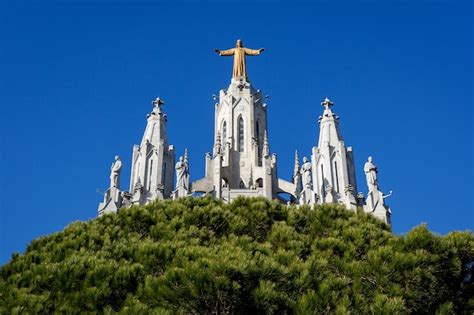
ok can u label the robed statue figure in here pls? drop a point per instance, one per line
(306, 173)
(182, 175)
(115, 172)
(239, 53)
(371, 174)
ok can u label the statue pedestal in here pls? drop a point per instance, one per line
(180, 193)
(112, 201)
(307, 197)
(375, 205)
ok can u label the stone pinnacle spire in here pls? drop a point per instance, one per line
(266, 145)
(186, 160)
(327, 103)
(296, 169)
(157, 103)
(297, 175)
(217, 146)
(329, 125)
(333, 162)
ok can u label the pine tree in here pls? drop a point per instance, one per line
(252, 256)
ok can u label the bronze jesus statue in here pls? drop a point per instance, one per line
(239, 53)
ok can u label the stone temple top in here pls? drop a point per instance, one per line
(241, 163)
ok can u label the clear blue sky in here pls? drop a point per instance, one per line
(77, 79)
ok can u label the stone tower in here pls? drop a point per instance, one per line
(153, 161)
(241, 163)
(333, 169)
(152, 168)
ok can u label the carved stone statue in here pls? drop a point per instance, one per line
(115, 172)
(182, 176)
(371, 174)
(239, 53)
(306, 173)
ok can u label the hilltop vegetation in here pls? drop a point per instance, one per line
(253, 256)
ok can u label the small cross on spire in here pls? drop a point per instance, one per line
(327, 103)
(158, 102)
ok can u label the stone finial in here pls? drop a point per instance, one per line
(186, 159)
(157, 103)
(297, 175)
(329, 193)
(296, 169)
(266, 145)
(138, 188)
(327, 103)
(217, 146)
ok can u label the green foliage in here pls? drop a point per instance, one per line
(253, 256)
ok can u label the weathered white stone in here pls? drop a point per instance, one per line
(241, 163)
(375, 201)
(182, 177)
(332, 163)
(297, 177)
(115, 172)
(153, 160)
(112, 197)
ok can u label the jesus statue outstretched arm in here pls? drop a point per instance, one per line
(228, 52)
(253, 52)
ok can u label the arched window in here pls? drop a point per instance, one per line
(240, 142)
(224, 133)
(259, 142)
(257, 130)
(150, 174)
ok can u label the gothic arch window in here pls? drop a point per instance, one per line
(224, 135)
(225, 182)
(257, 130)
(150, 174)
(240, 134)
(259, 183)
(259, 142)
(137, 174)
(224, 132)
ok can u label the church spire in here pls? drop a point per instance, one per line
(329, 125)
(333, 162)
(153, 159)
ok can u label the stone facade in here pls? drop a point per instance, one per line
(152, 175)
(241, 163)
(334, 178)
(153, 161)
